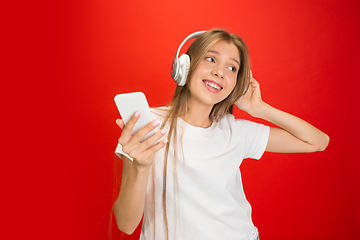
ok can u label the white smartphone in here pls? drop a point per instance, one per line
(128, 104)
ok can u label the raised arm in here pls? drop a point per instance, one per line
(293, 134)
(129, 206)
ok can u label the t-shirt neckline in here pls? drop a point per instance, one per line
(200, 129)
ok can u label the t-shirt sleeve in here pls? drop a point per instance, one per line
(255, 137)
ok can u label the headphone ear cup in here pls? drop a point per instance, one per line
(184, 61)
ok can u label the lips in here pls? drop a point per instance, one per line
(212, 86)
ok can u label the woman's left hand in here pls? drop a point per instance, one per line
(251, 101)
(293, 134)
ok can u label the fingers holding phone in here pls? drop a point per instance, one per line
(127, 129)
(136, 146)
(141, 134)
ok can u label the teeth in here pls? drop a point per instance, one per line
(213, 85)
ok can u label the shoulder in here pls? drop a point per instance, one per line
(231, 121)
(241, 125)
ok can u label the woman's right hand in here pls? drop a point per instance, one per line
(142, 153)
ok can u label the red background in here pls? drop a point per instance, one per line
(64, 63)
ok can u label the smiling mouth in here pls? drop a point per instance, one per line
(213, 85)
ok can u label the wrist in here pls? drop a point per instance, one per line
(140, 168)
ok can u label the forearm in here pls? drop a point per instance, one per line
(314, 139)
(129, 207)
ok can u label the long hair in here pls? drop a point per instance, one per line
(180, 103)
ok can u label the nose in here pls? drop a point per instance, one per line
(218, 71)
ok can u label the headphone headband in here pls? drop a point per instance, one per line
(180, 65)
(191, 36)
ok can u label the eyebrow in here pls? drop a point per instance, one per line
(217, 53)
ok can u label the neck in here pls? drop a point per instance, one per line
(198, 116)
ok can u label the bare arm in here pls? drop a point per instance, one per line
(294, 134)
(129, 206)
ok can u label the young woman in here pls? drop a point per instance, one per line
(192, 189)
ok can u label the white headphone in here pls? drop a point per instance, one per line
(180, 65)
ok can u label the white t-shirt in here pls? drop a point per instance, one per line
(205, 197)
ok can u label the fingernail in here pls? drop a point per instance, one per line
(156, 122)
(163, 131)
(165, 141)
(137, 113)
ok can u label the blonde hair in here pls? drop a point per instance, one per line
(180, 103)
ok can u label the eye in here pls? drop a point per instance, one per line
(210, 59)
(232, 68)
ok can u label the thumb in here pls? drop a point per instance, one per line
(120, 123)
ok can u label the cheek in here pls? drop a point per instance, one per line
(200, 69)
(232, 83)
(198, 74)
